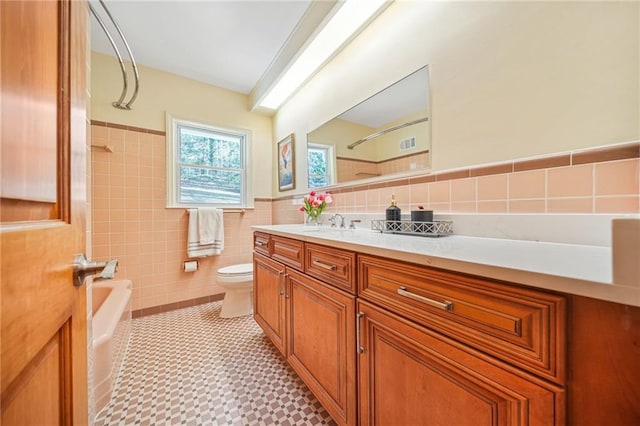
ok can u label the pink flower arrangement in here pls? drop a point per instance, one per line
(314, 204)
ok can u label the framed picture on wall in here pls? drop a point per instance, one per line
(286, 168)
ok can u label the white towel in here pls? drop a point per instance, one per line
(207, 225)
(206, 232)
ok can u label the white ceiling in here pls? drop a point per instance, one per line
(228, 44)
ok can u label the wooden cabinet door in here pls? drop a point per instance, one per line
(268, 299)
(44, 316)
(321, 346)
(410, 376)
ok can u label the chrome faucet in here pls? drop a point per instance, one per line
(333, 220)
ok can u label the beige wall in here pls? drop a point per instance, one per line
(162, 92)
(508, 79)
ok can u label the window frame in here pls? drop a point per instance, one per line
(331, 165)
(173, 164)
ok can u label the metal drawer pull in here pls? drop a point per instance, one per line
(446, 305)
(325, 266)
(259, 243)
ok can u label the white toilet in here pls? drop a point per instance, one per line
(237, 281)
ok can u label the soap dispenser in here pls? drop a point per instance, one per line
(393, 214)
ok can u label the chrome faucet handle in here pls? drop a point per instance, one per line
(332, 220)
(352, 225)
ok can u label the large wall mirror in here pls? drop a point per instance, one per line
(387, 134)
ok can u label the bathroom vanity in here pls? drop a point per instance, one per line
(382, 337)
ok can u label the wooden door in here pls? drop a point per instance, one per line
(43, 320)
(410, 376)
(268, 299)
(321, 347)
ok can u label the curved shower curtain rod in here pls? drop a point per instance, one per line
(119, 103)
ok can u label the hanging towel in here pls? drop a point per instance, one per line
(207, 225)
(206, 232)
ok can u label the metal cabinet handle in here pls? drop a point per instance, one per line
(445, 306)
(259, 243)
(286, 295)
(359, 347)
(324, 265)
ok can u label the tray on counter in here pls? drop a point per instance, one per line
(408, 227)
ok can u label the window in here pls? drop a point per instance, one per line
(320, 161)
(207, 166)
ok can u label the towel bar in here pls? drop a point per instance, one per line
(241, 211)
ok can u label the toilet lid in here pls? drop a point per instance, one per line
(239, 269)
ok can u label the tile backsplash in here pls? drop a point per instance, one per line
(600, 180)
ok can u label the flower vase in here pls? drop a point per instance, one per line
(313, 220)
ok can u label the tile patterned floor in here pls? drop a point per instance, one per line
(191, 367)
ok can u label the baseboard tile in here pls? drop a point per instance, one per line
(176, 305)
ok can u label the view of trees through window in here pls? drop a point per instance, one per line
(211, 166)
(319, 161)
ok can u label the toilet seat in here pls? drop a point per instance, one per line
(236, 273)
(239, 269)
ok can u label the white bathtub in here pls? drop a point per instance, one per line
(111, 302)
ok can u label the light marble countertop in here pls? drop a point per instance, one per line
(584, 270)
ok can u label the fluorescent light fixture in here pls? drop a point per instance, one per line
(346, 22)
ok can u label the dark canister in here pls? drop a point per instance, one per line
(422, 220)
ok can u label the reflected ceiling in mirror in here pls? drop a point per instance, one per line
(387, 134)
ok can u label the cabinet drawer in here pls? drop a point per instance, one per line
(520, 326)
(333, 266)
(261, 243)
(288, 251)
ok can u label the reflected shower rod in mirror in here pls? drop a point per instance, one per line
(125, 81)
(390, 129)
